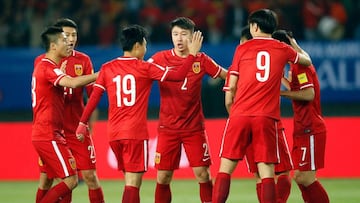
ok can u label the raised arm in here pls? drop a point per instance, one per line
(304, 57)
(194, 47)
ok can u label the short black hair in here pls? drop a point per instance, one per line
(65, 22)
(281, 35)
(49, 35)
(184, 23)
(266, 19)
(132, 34)
(245, 32)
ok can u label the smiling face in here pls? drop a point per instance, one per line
(180, 39)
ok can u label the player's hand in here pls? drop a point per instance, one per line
(82, 131)
(63, 66)
(196, 43)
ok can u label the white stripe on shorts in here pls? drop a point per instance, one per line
(61, 158)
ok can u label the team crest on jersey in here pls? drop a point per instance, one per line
(196, 67)
(157, 158)
(78, 69)
(72, 163)
(302, 78)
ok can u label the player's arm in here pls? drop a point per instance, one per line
(223, 73)
(230, 92)
(304, 57)
(83, 128)
(306, 94)
(285, 81)
(74, 82)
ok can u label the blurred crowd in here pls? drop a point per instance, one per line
(100, 21)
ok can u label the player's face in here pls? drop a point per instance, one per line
(71, 35)
(62, 46)
(180, 38)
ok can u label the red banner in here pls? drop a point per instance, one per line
(19, 159)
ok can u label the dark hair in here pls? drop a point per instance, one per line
(245, 32)
(130, 35)
(281, 35)
(184, 23)
(266, 20)
(49, 35)
(65, 22)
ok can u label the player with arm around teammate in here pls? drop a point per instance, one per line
(309, 136)
(128, 80)
(181, 119)
(283, 168)
(77, 64)
(253, 102)
(48, 136)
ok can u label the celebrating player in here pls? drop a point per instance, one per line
(128, 81)
(78, 64)
(48, 136)
(181, 120)
(309, 135)
(253, 102)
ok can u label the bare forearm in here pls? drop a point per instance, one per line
(302, 95)
(80, 81)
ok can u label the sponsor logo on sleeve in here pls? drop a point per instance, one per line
(302, 78)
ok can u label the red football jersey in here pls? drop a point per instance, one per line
(128, 83)
(307, 114)
(78, 64)
(180, 102)
(47, 100)
(259, 65)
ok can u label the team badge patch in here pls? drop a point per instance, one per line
(78, 69)
(157, 158)
(302, 78)
(196, 67)
(72, 163)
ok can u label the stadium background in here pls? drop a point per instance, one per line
(330, 34)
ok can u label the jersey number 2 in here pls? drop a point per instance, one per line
(125, 86)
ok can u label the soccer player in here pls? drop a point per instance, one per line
(282, 169)
(181, 120)
(78, 64)
(253, 102)
(48, 136)
(309, 135)
(128, 81)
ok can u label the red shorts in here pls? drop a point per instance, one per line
(285, 163)
(55, 159)
(168, 149)
(84, 152)
(131, 155)
(308, 152)
(259, 131)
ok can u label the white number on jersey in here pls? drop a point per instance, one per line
(33, 93)
(183, 86)
(125, 86)
(263, 67)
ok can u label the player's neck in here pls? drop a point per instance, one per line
(262, 35)
(53, 57)
(181, 53)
